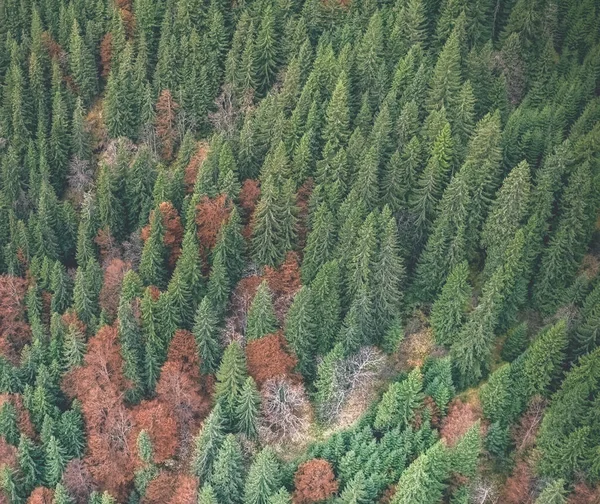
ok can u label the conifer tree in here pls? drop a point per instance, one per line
(207, 444)
(73, 347)
(55, 461)
(263, 478)
(30, 465)
(449, 310)
(266, 51)
(247, 409)
(301, 331)
(131, 346)
(88, 282)
(8, 423)
(82, 65)
(227, 476)
(337, 125)
(466, 451)
(445, 83)
(355, 491)
(261, 318)
(231, 376)
(327, 384)
(206, 334)
(206, 495)
(507, 212)
(326, 295)
(152, 265)
(281, 497)
(398, 405)
(320, 243)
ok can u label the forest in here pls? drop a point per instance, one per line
(299, 251)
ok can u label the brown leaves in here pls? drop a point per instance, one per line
(14, 330)
(461, 417)
(191, 170)
(155, 418)
(171, 488)
(41, 495)
(173, 230)
(166, 123)
(314, 482)
(267, 358)
(111, 289)
(211, 214)
(106, 54)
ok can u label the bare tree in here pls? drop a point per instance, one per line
(284, 410)
(132, 249)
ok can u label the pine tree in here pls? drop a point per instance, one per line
(206, 495)
(206, 334)
(207, 444)
(263, 478)
(88, 282)
(227, 476)
(301, 331)
(337, 125)
(587, 335)
(355, 491)
(132, 347)
(261, 318)
(465, 452)
(445, 83)
(327, 384)
(247, 409)
(231, 376)
(449, 310)
(281, 497)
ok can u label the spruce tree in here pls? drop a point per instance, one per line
(152, 264)
(247, 409)
(301, 331)
(30, 465)
(206, 334)
(227, 475)
(207, 444)
(266, 51)
(55, 461)
(261, 318)
(449, 310)
(231, 376)
(263, 478)
(399, 403)
(320, 242)
(9, 428)
(326, 293)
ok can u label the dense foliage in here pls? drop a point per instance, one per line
(299, 251)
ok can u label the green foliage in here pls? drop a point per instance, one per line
(261, 315)
(398, 405)
(263, 478)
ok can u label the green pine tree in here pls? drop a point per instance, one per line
(261, 318)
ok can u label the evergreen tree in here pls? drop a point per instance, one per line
(207, 444)
(553, 493)
(88, 282)
(206, 334)
(231, 376)
(73, 347)
(266, 51)
(206, 495)
(326, 295)
(152, 264)
(263, 478)
(82, 65)
(398, 405)
(449, 310)
(132, 348)
(320, 243)
(60, 285)
(301, 331)
(247, 409)
(55, 461)
(227, 476)
(261, 318)
(30, 465)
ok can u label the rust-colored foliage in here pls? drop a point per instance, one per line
(314, 482)
(434, 413)
(111, 289)
(461, 417)
(14, 330)
(191, 170)
(267, 358)
(106, 54)
(70, 318)
(249, 196)
(173, 230)
(41, 495)
(155, 418)
(78, 481)
(211, 213)
(8, 454)
(107, 245)
(23, 418)
(519, 487)
(166, 119)
(284, 282)
(583, 494)
(302, 199)
(52, 46)
(525, 432)
(171, 488)
(100, 385)
(181, 388)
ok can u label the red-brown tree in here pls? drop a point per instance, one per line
(111, 288)
(461, 417)
(211, 214)
(267, 358)
(314, 482)
(14, 330)
(166, 123)
(41, 495)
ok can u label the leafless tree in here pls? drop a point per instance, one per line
(132, 249)
(284, 410)
(81, 176)
(484, 491)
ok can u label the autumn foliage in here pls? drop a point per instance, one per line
(41, 495)
(23, 419)
(191, 170)
(519, 487)
(14, 330)
(113, 278)
(171, 488)
(166, 118)
(267, 358)
(157, 420)
(314, 482)
(284, 282)
(461, 417)
(173, 230)
(211, 213)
